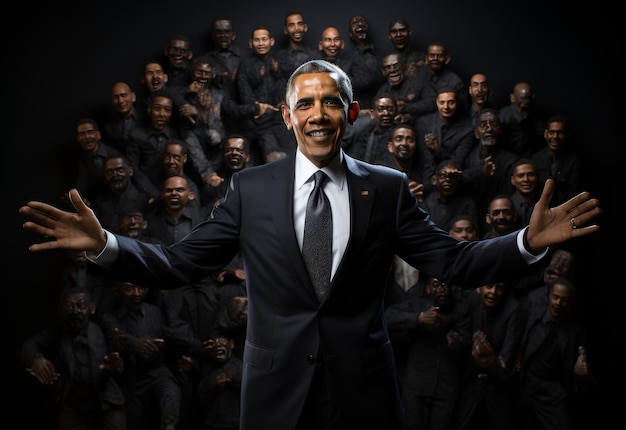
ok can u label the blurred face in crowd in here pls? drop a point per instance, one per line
(178, 53)
(502, 216)
(399, 34)
(437, 57)
(160, 112)
(88, 137)
(295, 28)
(479, 89)
(75, 310)
(488, 128)
(555, 135)
(174, 159)
(560, 300)
(392, 67)
(154, 78)
(202, 74)
(562, 264)
(123, 98)
(446, 104)
(261, 42)
(463, 229)
(522, 97)
(492, 294)
(439, 291)
(131, 224)
(117, 174)
(402, 144)
(524, 179)
(236, 156)
(331, 43)
(176, 193)
(446, 181)
(358, 30)
(130, 295)
(383, 112)
(222, 33)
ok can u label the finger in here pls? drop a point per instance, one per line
(44, 246)
(41, 213)
(582, 220)
(38, 228)
(582, 206)
(546, 194)
(78, 202)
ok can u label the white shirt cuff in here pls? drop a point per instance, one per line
(530, 258)
(107, 256)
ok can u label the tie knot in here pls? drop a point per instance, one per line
(320, 179)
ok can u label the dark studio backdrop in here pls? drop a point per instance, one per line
(62, 59)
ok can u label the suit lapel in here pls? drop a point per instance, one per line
(279, 191)
(362, 194)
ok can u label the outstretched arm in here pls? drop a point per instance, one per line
(552, 226)
(79, 231)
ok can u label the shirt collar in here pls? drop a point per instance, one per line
(305, 169)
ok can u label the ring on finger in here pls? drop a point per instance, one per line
(573, 222)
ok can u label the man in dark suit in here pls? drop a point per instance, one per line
(73, 355)
(314, 363)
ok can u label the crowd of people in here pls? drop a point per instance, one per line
(505, 355)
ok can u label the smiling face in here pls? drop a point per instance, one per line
(316, 113)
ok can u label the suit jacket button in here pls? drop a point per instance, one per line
(311, 359)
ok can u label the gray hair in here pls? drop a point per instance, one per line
(321, 66)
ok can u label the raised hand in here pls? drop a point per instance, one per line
(552, 226)
(78, 230)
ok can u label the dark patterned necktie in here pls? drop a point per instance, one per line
(318, 236)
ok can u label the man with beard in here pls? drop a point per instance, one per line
(487, 168)
(73, 355)
(403, 154)
(501, 217)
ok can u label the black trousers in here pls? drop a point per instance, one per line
(320, 409)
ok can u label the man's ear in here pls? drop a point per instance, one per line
(353, 112)
(286, 116)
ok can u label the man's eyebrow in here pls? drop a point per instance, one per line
(333, 98)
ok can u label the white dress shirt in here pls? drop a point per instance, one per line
(336, 190)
